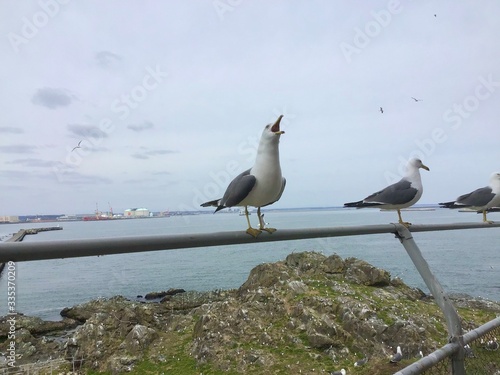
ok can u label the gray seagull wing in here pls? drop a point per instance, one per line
(399, 193)
(396, 358)
(479, 197)
(238, 189)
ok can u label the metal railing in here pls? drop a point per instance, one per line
(22, 251)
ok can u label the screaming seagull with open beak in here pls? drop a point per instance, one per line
(260, 185)
(404, 193)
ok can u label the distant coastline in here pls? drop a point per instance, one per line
(47, 218)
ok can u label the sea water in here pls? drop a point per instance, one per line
(465, 261)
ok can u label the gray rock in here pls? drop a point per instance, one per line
(360, 272)
(298, 287)
(139, 338)
(334, 264)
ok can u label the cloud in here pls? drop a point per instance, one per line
(13, 175)
(18, 149)
(69, 176)
(139, 180)
(147, 154)
(87, 131)
(32, 162)
(52, 98)
(106, 58)
(11, 130)
(141, 127)
(161, 173)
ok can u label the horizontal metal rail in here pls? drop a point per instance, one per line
(40, 250)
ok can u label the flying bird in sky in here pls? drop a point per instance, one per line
(260, 185)
(402, 194)
(481, 199)
(381, 110)
(417, 100)
(74, 148)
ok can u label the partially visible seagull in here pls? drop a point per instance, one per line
(398, 356)
(381, 110)
(402, 194)
(74, 148)
(260, 185)
(468, 351)
(480, 199)
(341, 372)
(417, 100)
(492, 345)
(361, 362)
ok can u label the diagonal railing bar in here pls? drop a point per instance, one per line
(441, 298)
(40, 250)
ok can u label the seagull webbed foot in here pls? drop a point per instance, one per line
(254, 232)
(269, 230)
(405, 223)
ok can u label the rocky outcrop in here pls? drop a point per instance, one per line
(309, 313)
(163, 294)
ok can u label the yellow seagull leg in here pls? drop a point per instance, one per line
(251, 231)
(405, 223)
(485, 219)
(262, 225)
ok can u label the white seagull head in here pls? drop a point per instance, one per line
(415, 164)
(495, 180)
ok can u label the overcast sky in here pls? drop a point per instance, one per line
(169, 99)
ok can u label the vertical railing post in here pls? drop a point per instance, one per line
(440, 296)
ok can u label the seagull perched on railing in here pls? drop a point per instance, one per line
(481, 199)
(260, 185)
(402, 194)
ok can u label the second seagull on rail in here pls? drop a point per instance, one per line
(402, 194)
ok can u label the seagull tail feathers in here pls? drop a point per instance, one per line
(214, 203)
(360, 204)
(449, 205)
(354, 204)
